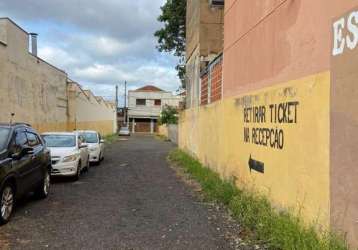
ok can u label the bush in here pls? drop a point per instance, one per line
(169, 115)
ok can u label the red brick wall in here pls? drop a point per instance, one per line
(215, 84)
(204, 89)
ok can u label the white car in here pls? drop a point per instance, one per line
(95, 145)
(124, 131)
(69, 153)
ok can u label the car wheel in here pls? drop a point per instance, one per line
(42, 191)
(7, 201)
(78, 173)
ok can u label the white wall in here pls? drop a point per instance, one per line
(150, 110)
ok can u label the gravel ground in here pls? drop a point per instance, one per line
(133, 200)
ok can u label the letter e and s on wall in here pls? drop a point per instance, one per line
(345, 33)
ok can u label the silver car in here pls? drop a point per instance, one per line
(124, 131)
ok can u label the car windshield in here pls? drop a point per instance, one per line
(90, 137)
(124, 129)
(60, 141)
(4, 135)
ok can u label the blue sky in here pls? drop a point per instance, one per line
(99, 43)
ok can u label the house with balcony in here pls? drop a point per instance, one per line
(145, 105)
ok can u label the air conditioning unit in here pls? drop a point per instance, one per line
(216, 3)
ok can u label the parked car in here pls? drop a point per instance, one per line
(95, 145)
(25, 166)
(124, 131)
(69, 153)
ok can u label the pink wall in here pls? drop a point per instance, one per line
(272, 41)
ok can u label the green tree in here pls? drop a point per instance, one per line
(169, 115)
(171, 38)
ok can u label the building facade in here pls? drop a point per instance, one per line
(284, 125)
(204, 29)
(145, 105)
(38, 93)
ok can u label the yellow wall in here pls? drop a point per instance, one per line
(103, 127)
(296, 176)
(48, 127)
(163, 130)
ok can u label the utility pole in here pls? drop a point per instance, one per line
(125, 103)
(116, 97)
(117, 105)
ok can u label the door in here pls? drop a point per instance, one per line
(37, 157)
(23, 163)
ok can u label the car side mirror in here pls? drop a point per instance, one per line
(16, 156)
(102, 141)
(26, 150)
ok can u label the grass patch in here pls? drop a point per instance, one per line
(276, 230)
(109, 139)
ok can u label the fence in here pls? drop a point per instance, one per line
(211, 82)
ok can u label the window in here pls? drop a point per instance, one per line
(157, 102)
(140, 102)
(60, 141)
(90, 137)
(21, 139)
(81, 140)
(4, 135)
(32, 139)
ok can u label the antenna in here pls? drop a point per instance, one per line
(12, 116)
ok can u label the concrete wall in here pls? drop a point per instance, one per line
(89, 112)
(204, 28)
(344, 121)
(150, 110)
(32, 89)
(163, 130)
(193, 79)
(204, 41)
(173, 133)
(3, 32)
(288, 105)
(170, 131)
(37, 92)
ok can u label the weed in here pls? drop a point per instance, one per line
(109, 139)
(276, 230)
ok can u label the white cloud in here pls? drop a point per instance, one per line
(58, 57)
(106, 74)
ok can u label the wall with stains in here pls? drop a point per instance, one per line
(38, 93)
(89, 112)
(291, 139)
(31, 88)
(344, 123)
(280, 56)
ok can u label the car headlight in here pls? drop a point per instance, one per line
(70, 158)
